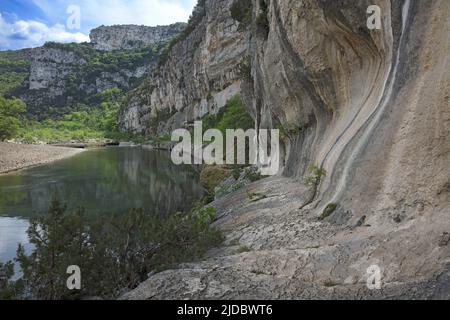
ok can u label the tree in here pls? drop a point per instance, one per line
(6, 273)
(10, 110)
(115, 252)
(60, 240)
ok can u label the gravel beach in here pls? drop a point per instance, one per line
(19, 156)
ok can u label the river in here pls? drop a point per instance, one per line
(99, 180)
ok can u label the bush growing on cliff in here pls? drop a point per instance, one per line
(262, 20)
(10, 112)
(315, 176)
(241, 11)
(212, 176)
(290, 131)
(232, 116)
(328, 211)
(114, 252)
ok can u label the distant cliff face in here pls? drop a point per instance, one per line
(63, 75)
(200, 74)
(126, 37)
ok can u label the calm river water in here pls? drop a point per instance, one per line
(100, 180)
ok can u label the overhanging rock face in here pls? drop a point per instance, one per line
(370, 107)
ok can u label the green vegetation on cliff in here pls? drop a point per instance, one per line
(10, 113)
(86, 123)
(109, 61)
(232, 116)
(13, 71)
(241, 11)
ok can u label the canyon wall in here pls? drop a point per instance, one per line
(201, 73)
(370, 108)
(62, 76)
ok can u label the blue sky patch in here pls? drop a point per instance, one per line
(31, 23)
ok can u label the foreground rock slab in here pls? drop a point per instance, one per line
(274, 250)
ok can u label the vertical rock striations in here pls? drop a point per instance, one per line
(370, 107)
(198, 76)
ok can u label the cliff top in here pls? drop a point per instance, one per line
(117, 37)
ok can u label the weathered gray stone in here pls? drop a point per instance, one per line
(369, 107)
(124, 37)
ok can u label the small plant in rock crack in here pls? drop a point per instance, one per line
(253, 174)
(255, 196)
(315, 176)
(242, 249)
(328, 211)
(207, 215)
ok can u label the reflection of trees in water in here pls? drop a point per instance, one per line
(105, 180)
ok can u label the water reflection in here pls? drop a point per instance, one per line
(101, 180)
(12, 233)
(110, 179)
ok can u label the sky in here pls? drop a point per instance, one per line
(31, 23)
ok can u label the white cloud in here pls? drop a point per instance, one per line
(110, 12)
(30, 33)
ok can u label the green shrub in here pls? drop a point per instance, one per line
(88, 123)
(236, 172)
(10, 111)
(255, 196)
(114, 251)
(232, 116)
(290, 131)
(315, 176)
(212, 176)
(8, 289)
(241, 11)
(328, 211)
(242, 249)
(237, 186)
(252, 174)
(262, 20)
(13, 71)
(207, 215)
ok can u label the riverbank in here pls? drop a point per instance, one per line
(14, 156)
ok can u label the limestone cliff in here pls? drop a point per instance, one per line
(369, 107)
(61, 76)
(126, 37)
(200, 74)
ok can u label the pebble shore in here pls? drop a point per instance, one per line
(14, 156)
